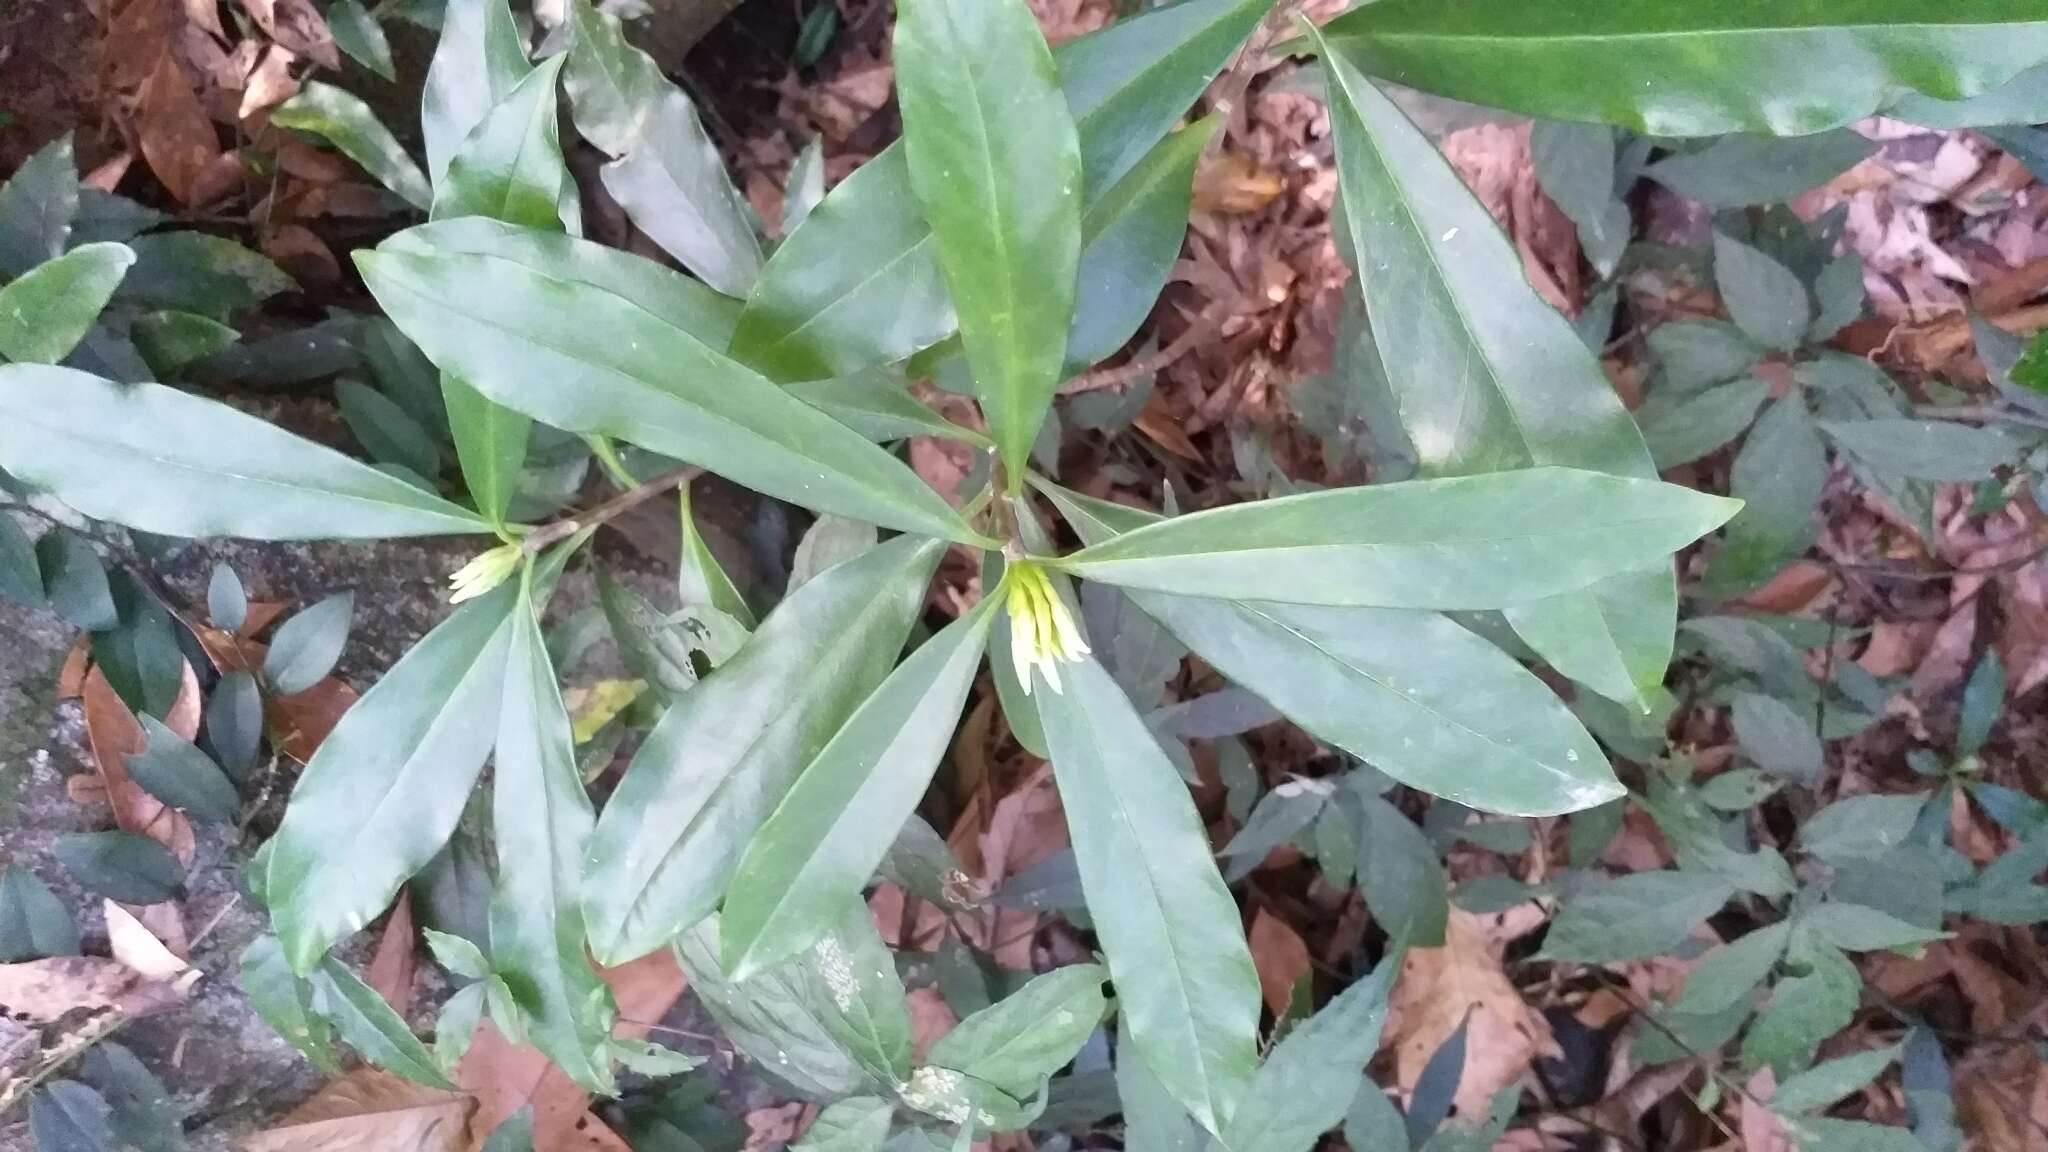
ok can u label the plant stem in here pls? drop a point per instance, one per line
(538, 540)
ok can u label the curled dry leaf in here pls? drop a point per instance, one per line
(133, 944)
(370, 1111)
(297, 25)
(1281, 957)
(269, 83)
(1438, 987)
(115, 735)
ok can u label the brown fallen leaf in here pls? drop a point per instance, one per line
(71, 677)
(1234, 184)
(177, 139)
(114, 735)
(137, 36)
(370, 1110)
(396, 959)
(780, 1124)
(1281, 957)
(1438, 989)
(297, 25)
(305, 256)
(930, 1018)
(45, 991)
(133, 944)
(269, 83)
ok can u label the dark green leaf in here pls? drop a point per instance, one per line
(66, 1116)
(103, 216)
(285, 1001)
(1575, 166)
(175, 772)
(1727, 975)
(144, 1116)
(1130, 236)
(349, 124)
(830, 541)
(1840, 293)
(227, 605)
(581, 355)
(835, 824)
(357, 33)
(510, 165)
(814, 36)
(1694, 353)
(860, 1124)
(771, 1018)
(514, 1133)
(878, 406)
(1638, 915)
(1983, 700)
(806, 183)
(1483, 541)
(479, 58)
(33, 923)
(666, 173)
(1404, 885)
(1776, 738)
(725, 754)
(1028, 1035)
(201, 273)
(541, 820)
(1684, 428)
(1825, 1084)
(849, 981)
(1488, 377)
(652, 648)
(73, 575)
(390, 434)
(122, 865)
(1187, 993)
(994, 158)
(37, 206)
(1670, 68)
(1779, 474)
(370, 1026)
(168, 462)
(1806, 1008)
(305, 648)
(45, 313)
(234, 723)
(389, 784)
(1924, 449)
(1743, 170)
(859, 285)
(21, 578)
(1763, 297)
(1856, 928)
(1861, 827)
(1305, 1085)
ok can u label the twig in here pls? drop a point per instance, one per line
(1122, 374)
(1895, 572)
(540, 538)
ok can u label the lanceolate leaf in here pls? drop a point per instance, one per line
(1672, 68)
(858, 285)
(541, 819)
(877, 405)
(726, 752)
(1015, 1043)
(850, 978)
(1488, 377)
(165, 461)
(370, 1026)
(576, 354)
(1488, 541)
(476, 64)
(667, 174)
(994, 159)
(1187, 993)
(45, 313)
(346, 122)
(1305, 1085)
(38, 204)
(1413, 694)
(771, 1018)
(837, 821)
(1130, 236)
(389, 783)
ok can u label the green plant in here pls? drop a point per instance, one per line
(1017, 234)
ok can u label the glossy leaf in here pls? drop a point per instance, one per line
(38, 203)
(666, 174)
(859, 286)
(995, 160)
(1670, 68)
(172, 770)
(389, 784)
(285, 1002)
(1187, 993)
(45, 313)
(201, 273)
(771, 1018)
(835, 824)
(122, 866)
(1486, 541)
(386, 430)
(723, 756)
(541, 820)
(1018, 1041)
(1305, 1085)
(144, 1114)
(701, 581)
(370, 1026)
(1130, 236)
(479, 58)
(880, 407)
(33, 922)
(165, 461)
(234, 723)
(344, 121)
(305, 648)
(76, 579)
(1488, 377)
(579, 355)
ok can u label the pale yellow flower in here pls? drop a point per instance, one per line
(485, 572)
(1043, 634)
